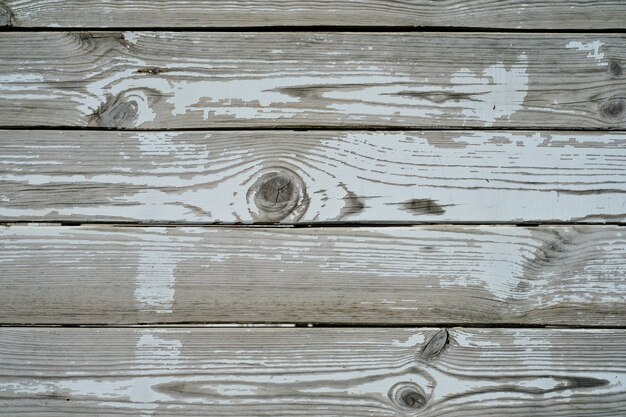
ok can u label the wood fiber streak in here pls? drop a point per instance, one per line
(169, 80)
(499, 14)
(230, 176)
(391, 275)
(312, 372)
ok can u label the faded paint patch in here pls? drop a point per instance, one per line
(131, 37)
(593, 49)
(496, 94)
(155, 280)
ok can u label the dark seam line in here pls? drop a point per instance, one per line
(311, 225)
(301, 128)
(330, 325)
(312, 28)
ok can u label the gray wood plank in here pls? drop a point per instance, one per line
(311, 177)
(390, 275)
(503, 14)
(312, 372)
(169, 80)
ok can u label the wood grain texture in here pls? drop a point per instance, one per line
(169, 80)
(390, 275)
(503, 14)
(312, 372)
(222, 176)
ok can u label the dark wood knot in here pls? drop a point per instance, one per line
(116, 112)
(613, 108)
(615, 68)
(435, 345)
(150, 70)
(408, 396)
(422, 206)
(276, 195)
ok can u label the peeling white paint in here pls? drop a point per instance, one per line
(593, 49)
(24, 86)
(131, 37)
(156, 280)
(412, 341)
(496, 94)
(365, 90)
(467, 339)
(171, 176)
(154, 349)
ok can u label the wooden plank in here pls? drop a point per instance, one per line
(312, 372)
(503, 14)
(323, 176)
(390, 275)
(169, 80)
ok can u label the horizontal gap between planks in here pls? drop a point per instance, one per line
(339, 224)
(309, 28)
(303, 128)
(299, 325)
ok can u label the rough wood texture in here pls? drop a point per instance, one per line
(197, 80)
(516, 14)
(418, 275)
(287, 176)
(312, 372)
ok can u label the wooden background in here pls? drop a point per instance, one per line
(321, 208)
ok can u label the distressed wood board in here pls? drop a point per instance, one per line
(169, 80)
(387, 275)
(313, 372)
(312, 177)
(501, 14)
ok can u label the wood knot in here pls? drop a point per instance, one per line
(6, 16)
(435, 345)
(613, 108)
(150, 70)
(408, 396)
(276, 195)
(422, 206)
(115, 113)
(84, 36)
(615, 68)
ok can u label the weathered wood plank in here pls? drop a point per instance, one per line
(313, 372)
(416, 275)
(196, 80)
(287, 176)
(504, 14)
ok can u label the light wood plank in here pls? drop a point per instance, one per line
(196, 80)
(312, 372)
(391, 275)
(507, 14)
(331, 176)
(222, 176)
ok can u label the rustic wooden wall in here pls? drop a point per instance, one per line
(320, 208)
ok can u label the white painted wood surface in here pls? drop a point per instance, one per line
(504, 14)
(561, 97)
(388, 275)
(169, 80)
(312, 372)
(428, 176)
